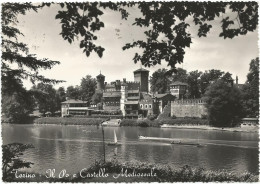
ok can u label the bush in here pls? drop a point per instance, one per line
(11, 161)
(152, 117)
(174, 117)
(165, 173)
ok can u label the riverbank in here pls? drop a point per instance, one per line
(205, 127)
(174, 123)
(69, 121)
(115, 171)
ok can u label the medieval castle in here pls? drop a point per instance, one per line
(133, 99)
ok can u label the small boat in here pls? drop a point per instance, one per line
(115, 141)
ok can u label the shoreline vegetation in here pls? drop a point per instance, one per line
(132, 171)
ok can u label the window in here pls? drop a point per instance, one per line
(141, 106)
(146, 106)
(150, 106)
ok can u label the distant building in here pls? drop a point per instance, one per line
(178, 89)
(141, 75)
(100, 82)
(131, 97)
(75, 107)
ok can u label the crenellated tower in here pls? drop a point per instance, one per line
(141, 75)
(100, 82)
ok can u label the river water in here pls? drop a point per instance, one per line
(76, 147)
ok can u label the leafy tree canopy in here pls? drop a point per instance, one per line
(167, 35)
(223, 103)
(17, 62)
(12, 161)
(87, 87)
(251, 90)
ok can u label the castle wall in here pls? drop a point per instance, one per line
(188, 108)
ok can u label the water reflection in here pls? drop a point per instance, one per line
(76, 147)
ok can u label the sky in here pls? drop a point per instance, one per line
(41, 32)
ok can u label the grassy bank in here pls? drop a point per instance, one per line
(69, 121)
(160, 173)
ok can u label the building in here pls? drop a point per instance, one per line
(141, 75)
(132, 98)
(178, 89)
(100, 82)
(75, 107)
(249, 122)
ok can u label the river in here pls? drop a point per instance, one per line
(76, 147)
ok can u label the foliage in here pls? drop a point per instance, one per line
(208, 77)
(166, 25)
(180, 75)
(165, 173)
(17, 62)
(17, 103)
(11, 160)
(152, 117)
(224, 104)
(61, 94)
(73, 92)
(251, 90)
(159, 81)
(46, 98)
(87, 88)
(193, 81)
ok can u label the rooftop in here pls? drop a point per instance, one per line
(74, 101)
(100, 75)
(141, 70)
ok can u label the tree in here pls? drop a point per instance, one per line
(73, 92)
(17, 102)
(166, 22)
(251, 90)
(180, 75)
(87, 88)
(160, 81)
(193, 81)
(17, 62)
(11, 161)
(224, 104)
(209, 77)
(46, 98)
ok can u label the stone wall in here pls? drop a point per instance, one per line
(188, 108)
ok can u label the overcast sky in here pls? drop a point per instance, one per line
(42, 30)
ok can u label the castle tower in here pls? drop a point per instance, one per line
(141, 75)
(100, 82)
(123, 97)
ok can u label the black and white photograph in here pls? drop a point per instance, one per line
(130, 91)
